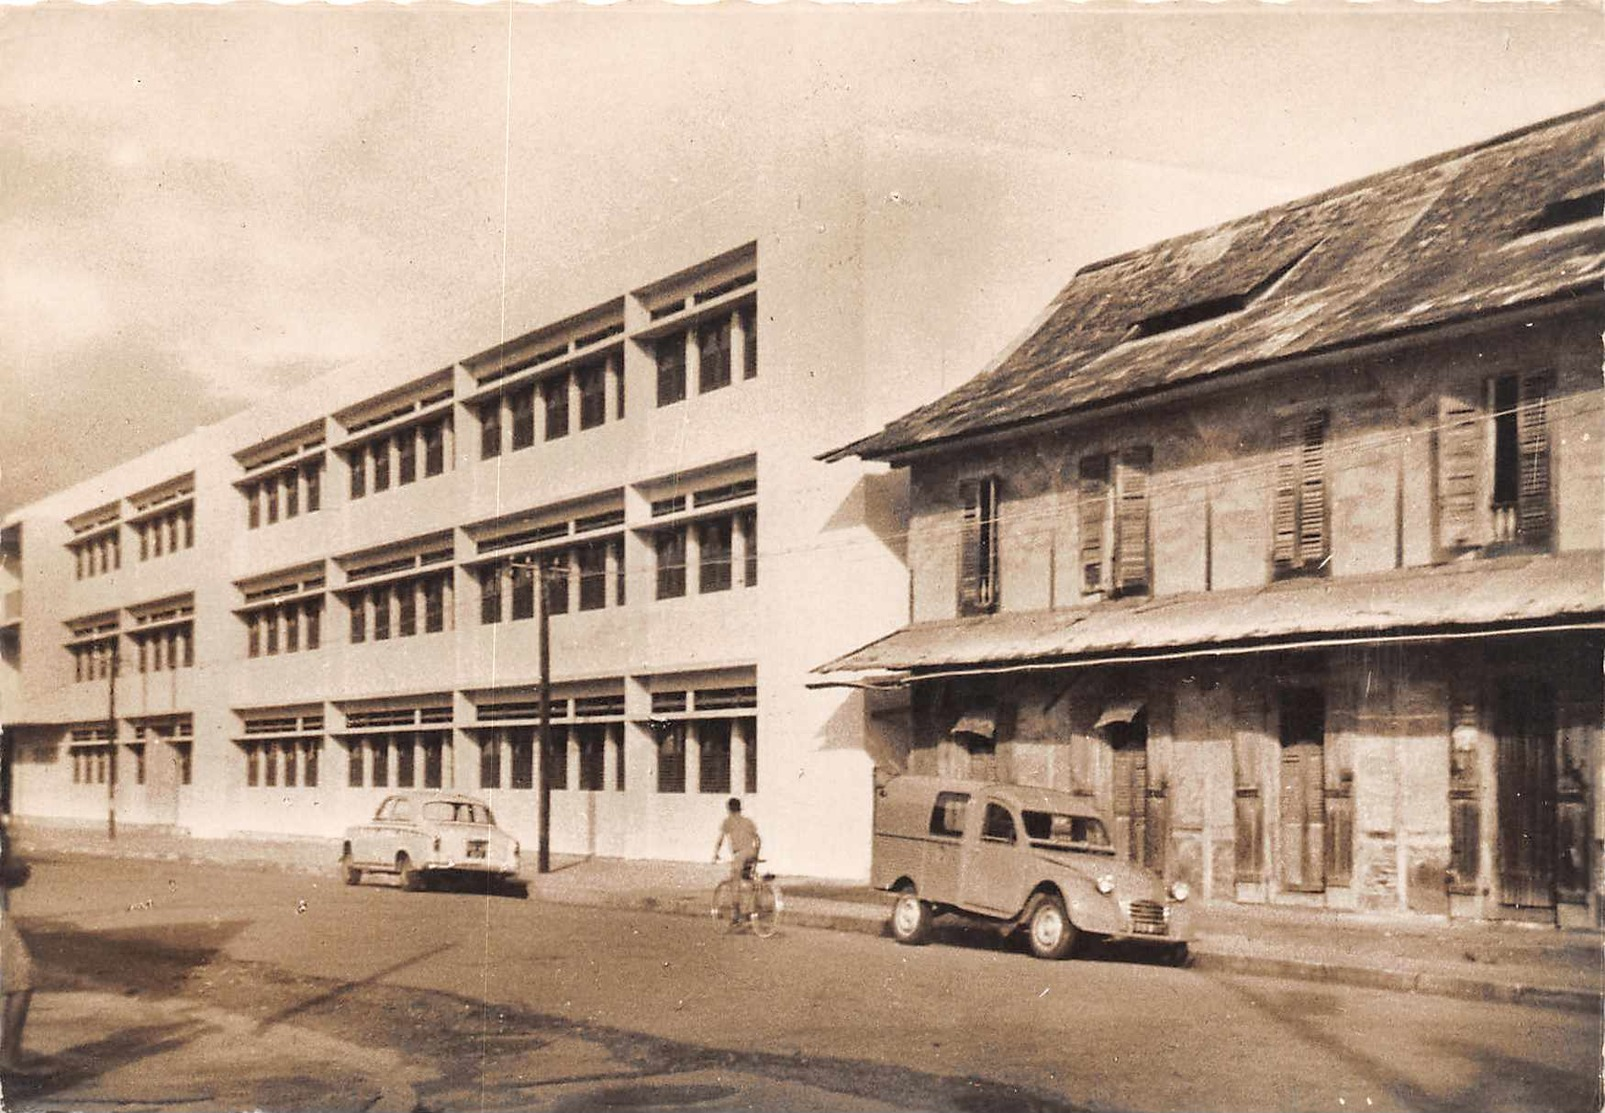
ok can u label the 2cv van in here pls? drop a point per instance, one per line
(1016, 857)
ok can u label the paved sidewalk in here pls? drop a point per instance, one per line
(1474, 960)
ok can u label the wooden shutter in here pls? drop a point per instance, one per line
(978, 545)
(1092, 514)
(1300, 516)
(1131, 520)
(1284, 546)
(1312, 491)
(1462, 442)
(1532, 434)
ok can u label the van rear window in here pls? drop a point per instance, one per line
(947, 817)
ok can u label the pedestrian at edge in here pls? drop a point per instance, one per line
(16, 964)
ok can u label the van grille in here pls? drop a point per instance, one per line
(1148, 917)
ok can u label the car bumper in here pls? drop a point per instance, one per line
(470, 865)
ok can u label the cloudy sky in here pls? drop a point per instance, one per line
(202, 206)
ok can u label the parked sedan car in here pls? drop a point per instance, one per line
(1018, 858)
(422, 835)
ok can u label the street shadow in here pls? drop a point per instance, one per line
(157, 960)
(1508, 1082)
(1297, 1011)
(516, 889)
(344, 989)
(83, 1063)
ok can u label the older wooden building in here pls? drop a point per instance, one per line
(1282, 541)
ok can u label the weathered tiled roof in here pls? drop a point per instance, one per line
(1446, 238)
(1476, 596)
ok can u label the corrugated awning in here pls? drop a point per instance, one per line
(1125, 711)
(1446, 600)
(982, 721)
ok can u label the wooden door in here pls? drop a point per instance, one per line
(1525, 725)
(1302, 812)
(1129, 750)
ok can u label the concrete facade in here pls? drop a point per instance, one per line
(223, 710)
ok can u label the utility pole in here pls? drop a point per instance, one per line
(111, 736)
(537, 573)
(544, 620)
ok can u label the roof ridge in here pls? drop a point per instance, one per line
(1403, 170)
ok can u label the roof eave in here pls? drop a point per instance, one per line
(1571, 297)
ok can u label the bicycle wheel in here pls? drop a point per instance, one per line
(724, 901)
(766, 909)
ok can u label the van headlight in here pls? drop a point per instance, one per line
(1106, 884)
(1179, 890)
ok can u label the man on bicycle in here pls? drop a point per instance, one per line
(744, 846)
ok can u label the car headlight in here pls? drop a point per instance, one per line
(1179, 890)
(1106, 884)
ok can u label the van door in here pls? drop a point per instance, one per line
(944, 850)
(990, 881)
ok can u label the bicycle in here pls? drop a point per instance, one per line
(754, 901)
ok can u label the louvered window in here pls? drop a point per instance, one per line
(1114, 524)
(978, 546)
(1494, 464)
(1301, 543)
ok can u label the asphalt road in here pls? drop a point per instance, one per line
(498, 1003)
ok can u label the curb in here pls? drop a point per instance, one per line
(1203, 960)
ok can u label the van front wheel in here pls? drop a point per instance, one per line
(911, 919)
(1049, 929)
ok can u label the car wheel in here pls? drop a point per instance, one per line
(349, 870)
(411, 879)
(1049, 929)
(911, 919)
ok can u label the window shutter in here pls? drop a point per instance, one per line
(1284, 546)
(978, 545)
(969, 545)
(1461, 441)
(1312, 492)
(1092, 513)
(1532, 433)
(1131, 520)
(987, 559)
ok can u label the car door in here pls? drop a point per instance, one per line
(990, 882)
(366, 839)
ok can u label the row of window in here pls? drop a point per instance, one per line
(91, 764)
(719, 744)
(404, 456)
(507, 756)
(715, 540)
(715, 347)
(92, 660)
(168, 647)
(272, 763)
(97, 555)
(574, 578)
(287, 627)
(284, 495)
(167, 532)
(507, 423)
(400, 608)
(727, 751)
(1494, 491)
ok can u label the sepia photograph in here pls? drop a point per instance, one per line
(774, 555)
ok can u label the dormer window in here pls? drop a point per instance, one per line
(1575, 208)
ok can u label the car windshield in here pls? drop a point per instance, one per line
(1070, 832)
(458, 811)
